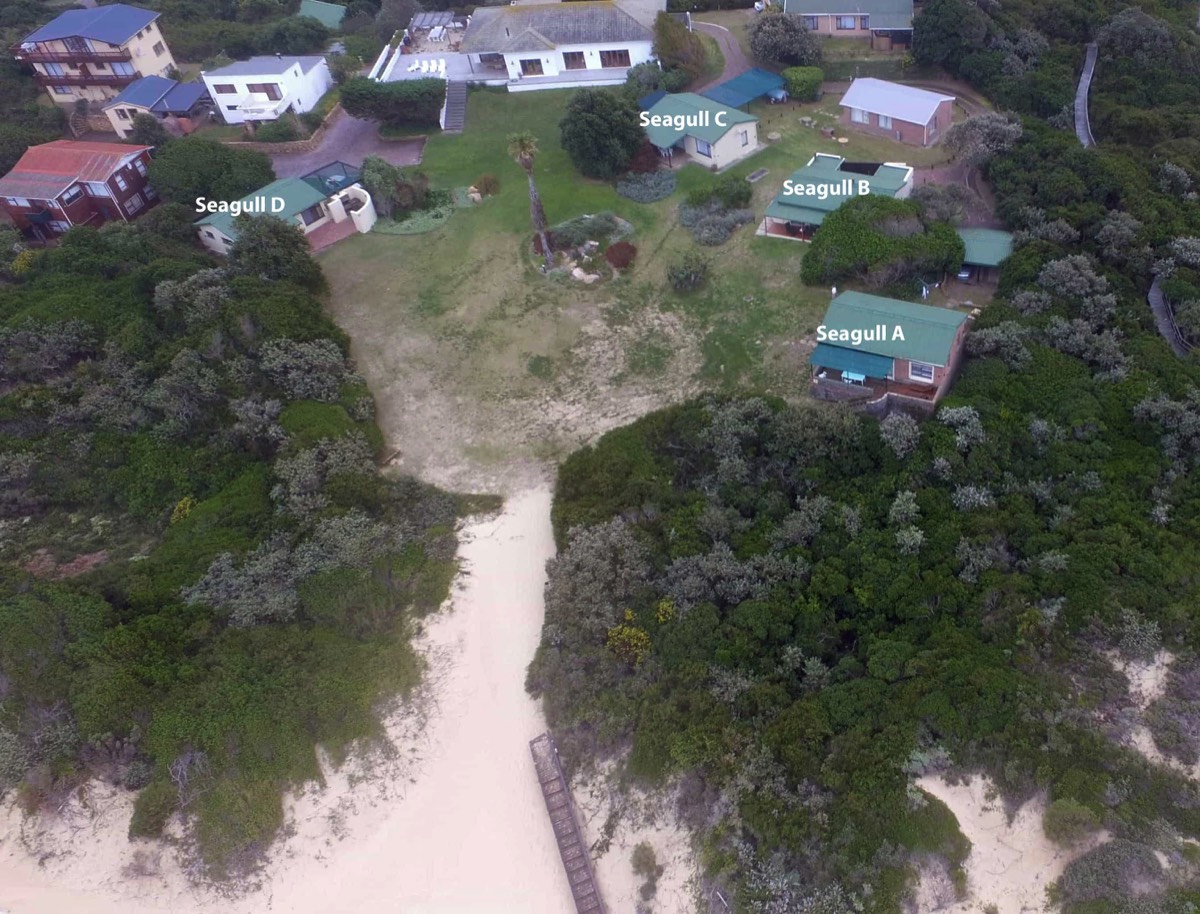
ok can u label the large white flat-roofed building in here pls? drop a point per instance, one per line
(264, 88)
(556, 45)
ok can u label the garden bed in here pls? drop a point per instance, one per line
(419, 222)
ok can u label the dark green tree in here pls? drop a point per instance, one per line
(600, 132)
(946, 31)
(148, 131)
(271, 249)
(781, 39)
(678, 49)
(192, 167)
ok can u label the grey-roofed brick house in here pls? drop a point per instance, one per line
(556, 45)
(905, 114)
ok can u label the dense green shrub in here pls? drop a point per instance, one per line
(649, 187)
(152, 809)
(600, 132)
(688, 273)
(804, 83)
(408, 103)
(882, 242)
(281, 130)
(575, 232)
(1068, 822)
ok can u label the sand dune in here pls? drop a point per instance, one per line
(457, 825)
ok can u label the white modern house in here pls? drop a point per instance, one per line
(264, 88)
(555, 45)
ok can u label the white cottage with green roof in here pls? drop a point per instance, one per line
(707, 132)
(869, 347)
(327, 204)
(825, 183)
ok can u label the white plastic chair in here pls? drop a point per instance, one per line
(442, 67)
(424, 66)
(412, 67)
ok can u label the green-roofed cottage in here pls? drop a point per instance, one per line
(887, 23)
(825, 183)
(328, 204)
(986, 249)
(707, 132)
(870, 347)
(329, 15)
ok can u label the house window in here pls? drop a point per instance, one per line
(810, 23)
(745, 135)
(573, 60)
(225, 88)
(158, 49)
(72, 193)
(885, 122)
(123, 114)
(209, 234)
(270, 90)
(847, 23)
(141, 32)
(704, 149)
(124, 69)
(17, 201)
(859, 116)
(864, 22)
(122, 184)
(920, 371)
(614, 58)
(149, 192)
(140, 166)
(231, 107)
(60, 227)
(133, 204)
(531, 67)
(62, 90)
(312, 214)
(54, 69)
(97, 189)
(933, 123)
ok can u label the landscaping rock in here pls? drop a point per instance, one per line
(774, 136)
(590, 248)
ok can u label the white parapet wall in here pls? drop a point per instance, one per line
(383, 56)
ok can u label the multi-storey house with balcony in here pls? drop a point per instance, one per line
(93, 54)
(58, 185)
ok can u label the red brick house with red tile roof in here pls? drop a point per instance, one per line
(66, 183)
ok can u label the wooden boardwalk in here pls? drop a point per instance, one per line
(571, 846)
(1083, 124)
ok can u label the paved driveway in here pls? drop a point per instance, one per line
(348, 140)
(736, 62)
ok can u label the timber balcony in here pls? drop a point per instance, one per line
(83, 55)
(89, 79)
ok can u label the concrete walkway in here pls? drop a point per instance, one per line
(1083, 125)
(1164, 320)
(736, 62)
(349, 140)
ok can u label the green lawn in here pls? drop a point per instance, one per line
(466, 306)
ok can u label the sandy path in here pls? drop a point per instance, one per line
(466, 830)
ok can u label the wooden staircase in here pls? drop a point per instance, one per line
(571, 847)
(456, 107)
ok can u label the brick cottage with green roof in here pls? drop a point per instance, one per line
(327, 205)
(824, 184)
(870, 347)
(706, 132)
(887, 23)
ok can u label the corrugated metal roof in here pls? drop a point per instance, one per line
(825, 169)
(116, 24)
(144, 92)
(329, 15)
(297, 194)
(826, 355)
(181, 98)
(885, 14)
(266, 65)
(904, 103)
(985, 247)
(45, 171)
(688, 105)
(745, 88)
(928, 332)
(501, 29)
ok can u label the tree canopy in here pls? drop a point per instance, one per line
(781, 39)
(600, 132)
(192, 167)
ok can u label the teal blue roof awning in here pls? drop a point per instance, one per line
(851, 360)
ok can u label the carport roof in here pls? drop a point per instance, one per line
(985, 247)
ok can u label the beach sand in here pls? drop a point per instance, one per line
(457, 824)
(1011, 863)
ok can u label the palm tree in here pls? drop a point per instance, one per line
(523, 148)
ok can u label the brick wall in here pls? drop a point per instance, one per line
(900, 131)
(295, 145)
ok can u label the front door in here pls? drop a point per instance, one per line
(531, 67)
